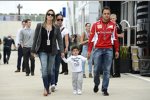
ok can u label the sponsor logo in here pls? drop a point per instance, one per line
(110, 26)
(99, 26)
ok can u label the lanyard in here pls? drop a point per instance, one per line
(48, 40)
(48, 33)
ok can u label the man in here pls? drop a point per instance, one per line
(20, 53)
(7, 41)
(65, 36)
(26, 41)
(120, 34)
(105, 30)
(58, 60)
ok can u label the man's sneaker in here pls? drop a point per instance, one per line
(84, 76)
(27, 74)
(17, 70)
(105, 93)
(32, 74)
(116, 75)
(53, 88)
(95, 89)
(74, 91)
(79, 92)
(90, 75)
(65, 73)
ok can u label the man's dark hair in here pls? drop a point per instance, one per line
(59, 14)
(106, 8)
(87, 24)
(75, 47)
(27, 20)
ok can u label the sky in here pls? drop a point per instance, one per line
(31, 7)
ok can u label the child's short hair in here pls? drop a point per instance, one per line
(75, 47)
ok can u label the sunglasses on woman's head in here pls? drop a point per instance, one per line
(50, 14)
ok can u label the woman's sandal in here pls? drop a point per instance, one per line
(45, 93)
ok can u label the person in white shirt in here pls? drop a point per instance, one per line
(65, 36)
(58, 60)
(77, 73)
(20, 52)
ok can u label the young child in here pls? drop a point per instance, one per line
(77, 75)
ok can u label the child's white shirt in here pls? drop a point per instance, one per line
(76, 62)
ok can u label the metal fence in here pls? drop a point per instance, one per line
(21, 17)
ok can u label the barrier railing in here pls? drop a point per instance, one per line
(21, 17)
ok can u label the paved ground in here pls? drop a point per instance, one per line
(16, 86)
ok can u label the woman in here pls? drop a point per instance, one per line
(84, 42)
(44, 45)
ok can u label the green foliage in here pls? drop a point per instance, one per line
(124, 52)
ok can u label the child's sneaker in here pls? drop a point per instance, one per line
(79, 92)
(74, 91)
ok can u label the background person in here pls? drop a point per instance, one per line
(26, 41)
(7, 41)
(65, 36)
(120, 34)
(20, 51)
(84, 42)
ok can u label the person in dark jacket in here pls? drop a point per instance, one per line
(45, 46)
(7, 41)
(116, 70)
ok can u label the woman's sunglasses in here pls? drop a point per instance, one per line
(50, 14)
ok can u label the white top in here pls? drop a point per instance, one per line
(76, 62)
(18, 37)
(63, 33)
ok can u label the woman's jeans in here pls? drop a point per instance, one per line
(102, 60)
(84, 53)
(47, 63)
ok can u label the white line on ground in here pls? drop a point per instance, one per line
(140, 77)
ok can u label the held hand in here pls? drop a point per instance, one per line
(33, 54)
(62, 55)
(66, 50)
(116, 55)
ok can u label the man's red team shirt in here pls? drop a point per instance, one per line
(104, 31)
